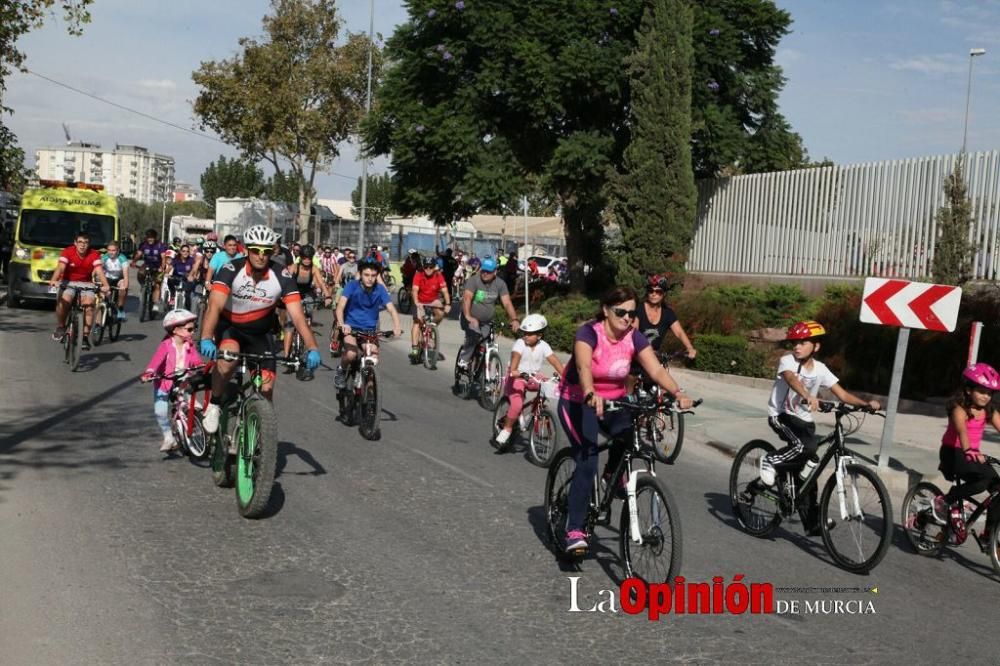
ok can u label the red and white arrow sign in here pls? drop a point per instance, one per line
(911, 304)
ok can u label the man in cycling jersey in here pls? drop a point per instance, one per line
(115, 266)
(230, 252)
(240, 316)
(428, 286)
(358, 309)
(77, 266)
(150, 252)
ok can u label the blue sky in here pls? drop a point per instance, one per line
(867, 80)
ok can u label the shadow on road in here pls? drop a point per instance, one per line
(286, 449)
(90, 361)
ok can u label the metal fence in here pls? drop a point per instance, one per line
(876, 218)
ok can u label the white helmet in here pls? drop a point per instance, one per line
(178, 317)
(534, 323)
(260, 235)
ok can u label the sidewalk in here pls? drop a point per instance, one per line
(735, 411)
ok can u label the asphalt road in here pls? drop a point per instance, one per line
(423, 547)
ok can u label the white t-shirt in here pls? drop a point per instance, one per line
(786, 401)
(532, 359)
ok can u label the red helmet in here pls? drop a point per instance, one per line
(656, 281)
(805, 330)
(983, 374)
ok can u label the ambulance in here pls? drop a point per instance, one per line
(47, 223)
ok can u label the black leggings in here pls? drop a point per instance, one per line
(976, 478)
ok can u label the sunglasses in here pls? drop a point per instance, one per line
(622, 313)
(189, 327)
(266, 251)
(657, 291)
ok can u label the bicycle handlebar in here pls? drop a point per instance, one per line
(644, 405)
(827, 406)
(174, 376)
(226, 355)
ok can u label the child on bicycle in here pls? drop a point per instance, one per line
(176, 352)
(793, 400)
(968, 413)
(526, 356)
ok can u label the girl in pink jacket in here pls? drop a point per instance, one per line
(177, 352)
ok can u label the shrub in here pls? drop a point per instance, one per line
(729, 354)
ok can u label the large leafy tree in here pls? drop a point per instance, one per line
(231, 178)
(378, 198)
(654, 196)
(488, 100)
(17, 18)
(291, 97)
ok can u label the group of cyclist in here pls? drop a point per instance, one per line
(249, 284)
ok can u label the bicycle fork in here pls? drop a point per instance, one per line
(635, 532)
(850, 504)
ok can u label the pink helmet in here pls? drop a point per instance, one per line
(983, 375)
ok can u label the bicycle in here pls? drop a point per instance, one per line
(298, 348)
(427, 343)
(146, 294)
(185, 410)
(485, 370)
(844, 497)
(106, 318)
(360, 400)
(649, 523)
(664, 430)
(389, 280)
(928, 536)
(72, 340)
(249, 425)
(537, 419)
(404, 299)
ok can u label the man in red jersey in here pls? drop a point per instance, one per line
(77, 266)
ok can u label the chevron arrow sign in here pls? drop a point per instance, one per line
(910, 304)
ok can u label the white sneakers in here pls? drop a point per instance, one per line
(169, 443)
(766, 472)
(210, 421)
(502, 436)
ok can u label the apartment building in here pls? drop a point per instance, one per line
(129, 171)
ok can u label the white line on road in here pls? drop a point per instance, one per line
(471, 477)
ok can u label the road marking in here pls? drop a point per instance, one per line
(326, 406)
(447, 465)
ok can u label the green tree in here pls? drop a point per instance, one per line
(735, 87)
(953, 250)
(655, 197)
(282, 187)
(13, 174)
(378, 198)
(292, 97)
(135, 217)
(192, 208)
(231, 178)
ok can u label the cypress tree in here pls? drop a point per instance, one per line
(953, 251)
(655, 198)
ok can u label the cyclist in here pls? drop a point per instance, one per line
(448, 266)
(968, 414)
(244, 295)
(182, 265)
(115, 266)
(201, 261)
(793, 399)
(77, 266)
(410, 268)
(176, 352)
(328, 264)
(308, 279)
(527, 356)
(603, 351)
(656, 318)
(230, 252)
(428, 286)
(482, 291)
(358, 308)
(150, 251)
(348, 269)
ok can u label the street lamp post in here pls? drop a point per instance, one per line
(368, 108)
(968, 95)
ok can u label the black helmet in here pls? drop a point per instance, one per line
(307, 251)
(429, 262)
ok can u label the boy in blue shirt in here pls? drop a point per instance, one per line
(358, 309)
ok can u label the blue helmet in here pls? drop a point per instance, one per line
(489, 264)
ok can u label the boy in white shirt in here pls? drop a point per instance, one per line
(527, 356)
(794, 399)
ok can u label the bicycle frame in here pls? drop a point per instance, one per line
(982, 506)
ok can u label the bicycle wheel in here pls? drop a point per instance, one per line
(491, 387)
(223, 464)
(197, 441)
(857, 528)
(76, 339)
(923, 532)
(257, 457)
(657, 558)
(993, 547)
(463, 380)
(664, 433)
(371, 405)
(115, 326)
(144, 304)
(557, 483)
(754, 506)
(431, 349)
(543, 442)
(403, 298)
(499, 416)
(67, 341)
(100, 323)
